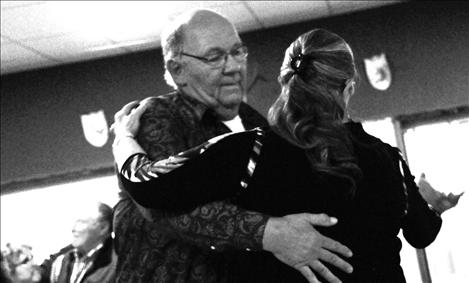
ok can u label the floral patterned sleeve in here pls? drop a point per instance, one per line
(218, 225)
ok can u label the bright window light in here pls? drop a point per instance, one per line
(441, 151)
(382, 129)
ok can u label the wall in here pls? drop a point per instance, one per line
(41, 133)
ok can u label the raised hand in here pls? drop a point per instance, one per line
(438, 200)
(127, 120)
(125, 127)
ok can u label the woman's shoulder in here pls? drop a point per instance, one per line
(363, 139)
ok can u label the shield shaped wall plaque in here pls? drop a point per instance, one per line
(95, 128)
(378, 71)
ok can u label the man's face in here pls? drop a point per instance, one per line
(87, 232)
(221, 89)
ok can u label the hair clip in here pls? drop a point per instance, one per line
(296, 63)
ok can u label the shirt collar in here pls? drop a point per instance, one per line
(90, 254)
(94, 250)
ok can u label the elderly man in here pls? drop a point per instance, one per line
(90, 257)
(205, 61)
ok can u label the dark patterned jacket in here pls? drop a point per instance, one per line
(158, 246)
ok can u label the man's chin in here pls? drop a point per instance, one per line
(231, 99)
(227, 113)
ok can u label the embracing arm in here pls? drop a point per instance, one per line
(212, 175)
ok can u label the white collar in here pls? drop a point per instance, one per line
(235, 124)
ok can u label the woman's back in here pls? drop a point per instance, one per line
(369, 221)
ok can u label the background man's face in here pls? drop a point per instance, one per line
(86, 233)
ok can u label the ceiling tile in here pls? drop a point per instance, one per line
(15, 52)
(275, 13)
(16, 58)
(63, 46)
(129, 20)
(30, 21)
(238, 14)
(4, 40)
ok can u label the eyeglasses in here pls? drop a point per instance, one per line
(218, 58)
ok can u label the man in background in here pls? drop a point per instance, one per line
(90, 257)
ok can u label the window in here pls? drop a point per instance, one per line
(441, 151)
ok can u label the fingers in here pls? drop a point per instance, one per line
(336, 261)
(453, 199)
(456, 197)
(160, 170)
(127, 120)
(119, 114)
(142, 106)
(336, 247)
(167, 165)
(134, 107)
(324, 272)
(423, 184)
(126, 109)
(111, 128)
(177, 159)
(308, 274)
(321, 219)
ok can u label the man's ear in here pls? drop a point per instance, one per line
(176, 70)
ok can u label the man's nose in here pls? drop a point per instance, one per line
(75, 228)
(231, 65)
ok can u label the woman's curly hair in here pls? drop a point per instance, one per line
(311, 108)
